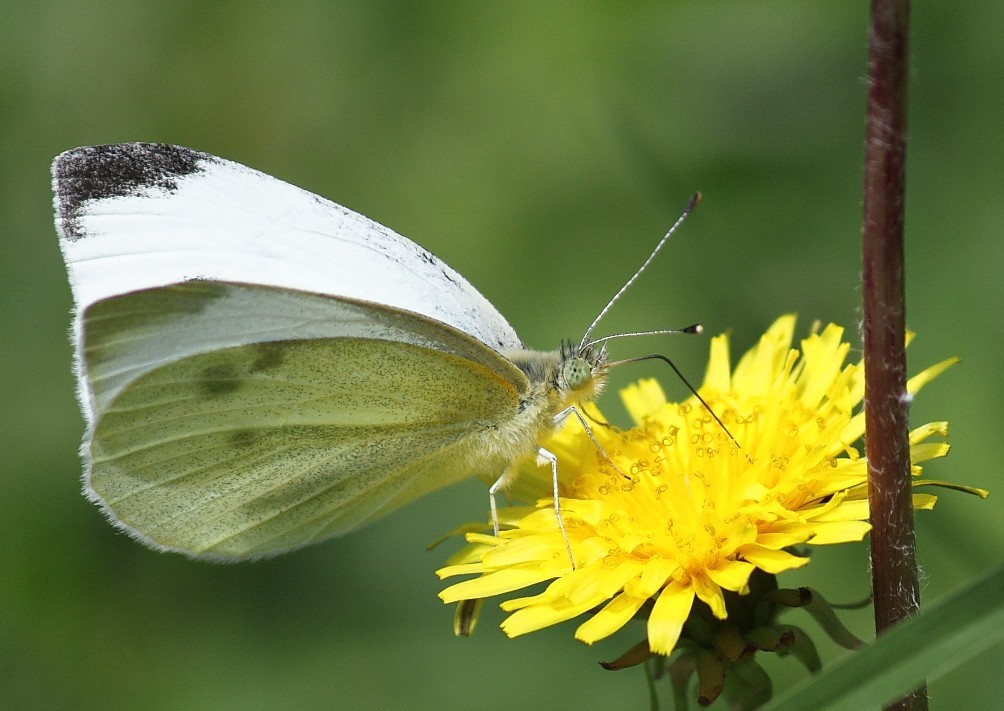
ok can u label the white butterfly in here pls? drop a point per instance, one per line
(261, 368)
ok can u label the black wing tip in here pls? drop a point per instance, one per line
(116, 170)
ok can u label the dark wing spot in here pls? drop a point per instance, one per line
(194, 295)
(268, 355)
(219, 380)
(99, 172)
(449, 277)
(109, 318)
(241, 439)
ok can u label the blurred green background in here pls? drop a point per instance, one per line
(541, 149)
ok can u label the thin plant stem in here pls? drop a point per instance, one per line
(895, 582)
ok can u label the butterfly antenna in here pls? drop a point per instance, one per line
(692, 329)
(695, 199)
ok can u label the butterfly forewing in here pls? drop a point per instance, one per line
(134, 216)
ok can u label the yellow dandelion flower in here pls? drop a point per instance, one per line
(672, 510)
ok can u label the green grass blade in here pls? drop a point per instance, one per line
(944, 636)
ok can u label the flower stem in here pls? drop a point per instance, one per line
(895, 583)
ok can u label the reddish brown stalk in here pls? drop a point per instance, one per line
(895, 582)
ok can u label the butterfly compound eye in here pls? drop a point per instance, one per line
(577, 373)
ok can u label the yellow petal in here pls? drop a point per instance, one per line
(668, 615)
(847, 511)
(919, 434)
(503, 581)
(914, 384)
(928, 450)
(718, 376)
(733, 575)
(604, 581)
(614, 615)
(711, 595)
(643, 399)
(449, 571)
(924, 502)
(777, 540)
(839, 532)
(531, 619)
(771, 561)
(656, 573)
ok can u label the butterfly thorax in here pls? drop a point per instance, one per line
(557, 380)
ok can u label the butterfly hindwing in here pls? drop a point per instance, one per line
(254, 449)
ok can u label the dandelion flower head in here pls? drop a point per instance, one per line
(677, 509)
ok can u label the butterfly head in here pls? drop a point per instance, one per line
(583, 371)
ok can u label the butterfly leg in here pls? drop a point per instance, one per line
(492, 490)
(547, 456)
(543, 457)
(572, 410)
